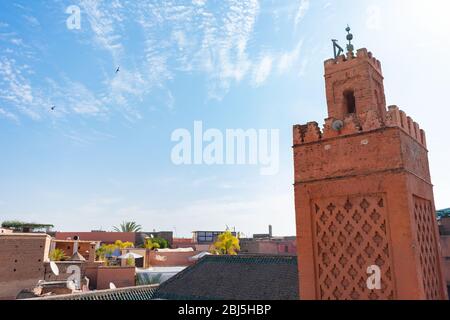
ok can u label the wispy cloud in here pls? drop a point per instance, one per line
(8, 115)
(262, 70)
(288, 59)
(195, 37)
(103, 16)
(301, 11)
(16, 88)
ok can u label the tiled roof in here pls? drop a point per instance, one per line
(241, 277)
(131, 293)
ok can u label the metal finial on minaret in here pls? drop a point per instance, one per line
(350, 47)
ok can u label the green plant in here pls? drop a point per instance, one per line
(104, 250)
(128, 226)
(156, 243)
(123, 245)
(150, 244)
(57, 255)
(25, 226)
(130, 262)
(226, 243)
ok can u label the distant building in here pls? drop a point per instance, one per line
(25, 227)
(207, 237)
(273, 246)
(101, 236)
(443, 213)
(70, 247)
(444, 230)
(22, 258)
(266, 243)
(5, 231)
(138, 238)
(183, 243)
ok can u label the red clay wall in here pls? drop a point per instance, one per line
(170, 259)
(120, 276)
(104, 237)
(22, 259)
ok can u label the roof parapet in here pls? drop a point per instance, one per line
(361, 54)
(311, 132)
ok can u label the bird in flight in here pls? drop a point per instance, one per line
(118, 69)
(53, 108)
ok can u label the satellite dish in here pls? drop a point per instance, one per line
(112, 286)
(54, 268)
(337, 125)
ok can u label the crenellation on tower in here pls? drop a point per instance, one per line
(398, 118)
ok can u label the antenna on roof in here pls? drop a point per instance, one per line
(337, 49)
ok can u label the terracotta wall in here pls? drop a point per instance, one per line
(22, 259)
(170, 259)
(269, 247)
(104, 237)
(84, 248)
(120, 276)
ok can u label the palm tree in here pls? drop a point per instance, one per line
(57, 255)
(128, 226)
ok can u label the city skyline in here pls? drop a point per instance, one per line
(87, 114)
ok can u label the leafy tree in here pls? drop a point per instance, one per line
(226, 243)
(151, 244)
(123, 245)
(105, 250)
(57, 255)
(128, 226)
(26, 226)
(163, 243)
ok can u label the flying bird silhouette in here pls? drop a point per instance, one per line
(53, 108)
(118, 69)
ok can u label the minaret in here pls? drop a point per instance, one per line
(363, 194)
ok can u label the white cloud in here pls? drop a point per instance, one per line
(8, 115)
(288, 59)
(32, 21)
(301, 11)
(16, 88)
(262, 70)
(102, 21)
(201, 39)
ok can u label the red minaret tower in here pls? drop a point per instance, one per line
(363, 193)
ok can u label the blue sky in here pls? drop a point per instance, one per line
(103, 155)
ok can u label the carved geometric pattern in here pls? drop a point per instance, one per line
(423, 214)
(350, 234)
